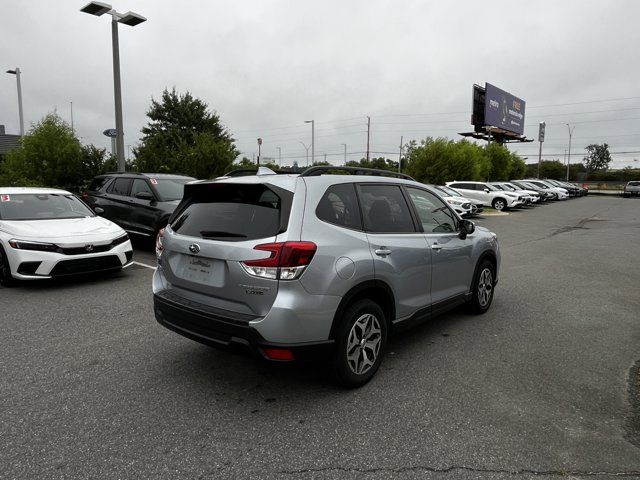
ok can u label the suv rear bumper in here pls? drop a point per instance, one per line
(198, 322)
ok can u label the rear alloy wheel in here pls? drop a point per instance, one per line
(360, 344)
(499, 204)
(483, 288)
(6, 280)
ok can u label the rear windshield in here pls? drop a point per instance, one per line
(42, 207)
(233, 212)
(170, 188)
(634, 184)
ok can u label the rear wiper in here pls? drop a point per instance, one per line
(216, 233)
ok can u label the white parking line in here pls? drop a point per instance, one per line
(143, 265)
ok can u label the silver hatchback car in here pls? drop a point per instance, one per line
(317, 264)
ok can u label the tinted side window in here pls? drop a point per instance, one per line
(339, 206)
(434, 215)
(385, 209)
(140, 185)
(120, 186)
(98, 183)
(464, 186)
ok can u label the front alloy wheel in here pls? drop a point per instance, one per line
(482, 293)
(499, 204)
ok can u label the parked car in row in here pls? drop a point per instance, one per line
(140, 203)
(631, 189)
(462, 206)
(489, 195)
(559, 193)
(47, 233)
(292, 266)
(530, 196)
(545, 194)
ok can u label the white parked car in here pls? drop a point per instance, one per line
(561, 193)
(488, 194)
(530, 196)
(465, 207)
(45, 233)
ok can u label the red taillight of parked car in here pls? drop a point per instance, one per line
(287, 260)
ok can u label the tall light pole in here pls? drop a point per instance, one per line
(307, 149)
(279, 156)
(313, 140)
(259, 150)
(16, 72)
(345, 152)
(569, 155)
(131, 19)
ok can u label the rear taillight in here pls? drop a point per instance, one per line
(85, 195)
(159, 238)
(287, 260)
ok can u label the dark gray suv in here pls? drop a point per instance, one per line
(294, 266)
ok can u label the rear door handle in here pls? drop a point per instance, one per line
(436, 247)
(383, 252)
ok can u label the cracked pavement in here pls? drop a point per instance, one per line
(92, 387)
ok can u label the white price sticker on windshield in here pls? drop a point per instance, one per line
(154, 181)
(5, 198)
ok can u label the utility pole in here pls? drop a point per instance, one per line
(368, 135)
(313, 140)
(325, 157)
(540, 139)
(400, 156)
(16, 71)
(569, 154)
(279, 156)
(345, 152)
(72, 129)
(259, 149)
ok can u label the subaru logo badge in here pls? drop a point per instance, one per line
(88, 247)
(194, 248)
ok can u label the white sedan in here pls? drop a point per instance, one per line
(47, 233)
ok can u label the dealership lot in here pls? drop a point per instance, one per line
(92, 387)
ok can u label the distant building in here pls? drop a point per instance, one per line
(7, 142)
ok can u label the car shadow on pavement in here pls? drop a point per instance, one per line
(72, 281)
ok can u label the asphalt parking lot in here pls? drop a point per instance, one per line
(92, 387)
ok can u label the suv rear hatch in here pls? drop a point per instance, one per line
(216, 227)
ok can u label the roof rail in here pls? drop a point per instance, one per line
(320, 169)
(123, 173)
(246, 172)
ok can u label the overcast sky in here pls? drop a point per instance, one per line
(267, 66)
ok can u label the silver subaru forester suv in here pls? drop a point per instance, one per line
(317, 264)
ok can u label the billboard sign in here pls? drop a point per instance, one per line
(503, 110)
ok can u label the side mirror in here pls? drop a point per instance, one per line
(467, 227)
(144, 196)
(98, 210)
(487, 190)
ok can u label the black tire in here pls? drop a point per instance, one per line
(499, 204)
(345, 369)
(481, 295)
(6, 279)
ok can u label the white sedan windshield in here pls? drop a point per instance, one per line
(41, 207)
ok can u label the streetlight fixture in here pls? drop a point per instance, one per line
(313, 140)
(307, 149)
(132, 19)
(16, 72)
(345, 152)
(569, 155)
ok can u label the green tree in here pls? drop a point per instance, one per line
(598, 157)
(518, 168)
(50, 155)
(553, 169)
(95, 161)
(441, 160)
(183, 136)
